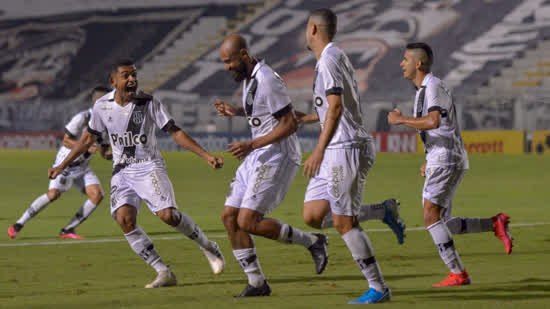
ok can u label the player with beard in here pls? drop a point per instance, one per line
(139, 170)
(271, 160)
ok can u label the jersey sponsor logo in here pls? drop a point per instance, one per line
(128, 139)
(254, 121)
(318, 101)
(137, 117)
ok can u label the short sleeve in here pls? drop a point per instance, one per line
(96, 125)
(438, 98)
(75, 125)
(331, 76)
(159, 114)
(275, 95)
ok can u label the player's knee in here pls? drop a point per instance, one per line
(127, 222)
(312, 221)
(342, 228)
(431, 215)
(229, 218)
(96, 197)
(247, 224)
(168, 216)
(53, 194)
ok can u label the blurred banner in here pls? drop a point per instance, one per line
(503, 142)
(30, 140)
(540, 142)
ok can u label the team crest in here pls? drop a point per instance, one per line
(318, 101)
(137, 117)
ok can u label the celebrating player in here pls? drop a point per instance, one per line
(139, 171)
(446, 162)
(344, 154)
(77, 174)
(271, 160)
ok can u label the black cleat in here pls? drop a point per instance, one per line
(250, 291)
(319, 252)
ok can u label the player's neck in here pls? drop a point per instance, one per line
(251, 66)
(319, 47)
(120, 100)
(419, 78)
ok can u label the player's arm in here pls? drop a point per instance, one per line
(428, 122)
(313, 163)
(227, 109)
(69, 141)
(85, 141)
(181, 138)
(106, 152)
(288, 124)
(304, 118)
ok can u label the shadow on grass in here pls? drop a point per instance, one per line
(308, 279)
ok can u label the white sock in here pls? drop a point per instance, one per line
(458, 225)
(188, 227)
(371, 211)
(251, 266)
(143, 246)
(82, 214)
(444, 242)
(328, 221)
(361, 250)
(292, 235)
(39, 203)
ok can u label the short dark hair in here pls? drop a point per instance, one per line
(101, 88)
(426, 63)
(120, 62)
(329, 18)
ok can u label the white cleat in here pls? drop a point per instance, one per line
(164, 278)
(216, 260)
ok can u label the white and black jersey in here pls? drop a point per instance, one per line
(131, 129)
(334, 76)
(265, 100)
(443, 145)
(74, 129)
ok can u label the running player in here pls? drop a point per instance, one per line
(78, 174)
(344, 154)
(271, 160)
(139, 170)
(446, 162)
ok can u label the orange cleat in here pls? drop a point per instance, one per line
(69, 234)
(454, 280)
(12, 232)
(500, 225)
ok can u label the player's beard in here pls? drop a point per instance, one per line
(239, 73)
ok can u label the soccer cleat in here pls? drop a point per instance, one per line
(216, 260)
(372, 297)
(392, 219)
(250, 291)
(14, 229)
(164, 278)
(500, 225)
(319, 252)
(454, 280)
(69, 234)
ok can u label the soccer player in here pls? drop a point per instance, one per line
(78, 174)
(446, 162)
(345, 152)
(139, 171)
(271, 160)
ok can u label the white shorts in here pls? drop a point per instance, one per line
(63, 183)
(341, 179)
(261, 182)
(150, 185)
(440, 186)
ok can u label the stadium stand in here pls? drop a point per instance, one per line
(492, 53)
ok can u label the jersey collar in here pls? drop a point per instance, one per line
(111, 96)
(325, 49)
(256, 68)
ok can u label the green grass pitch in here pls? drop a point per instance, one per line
(43, 271)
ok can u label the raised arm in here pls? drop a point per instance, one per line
(287, 125)
(313, 163)
(304, 118)
(81, 146)
(428, 122)
(181, 138)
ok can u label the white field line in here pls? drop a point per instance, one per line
(13, 243)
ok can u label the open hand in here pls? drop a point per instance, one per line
(313, 164)
(240, 149)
